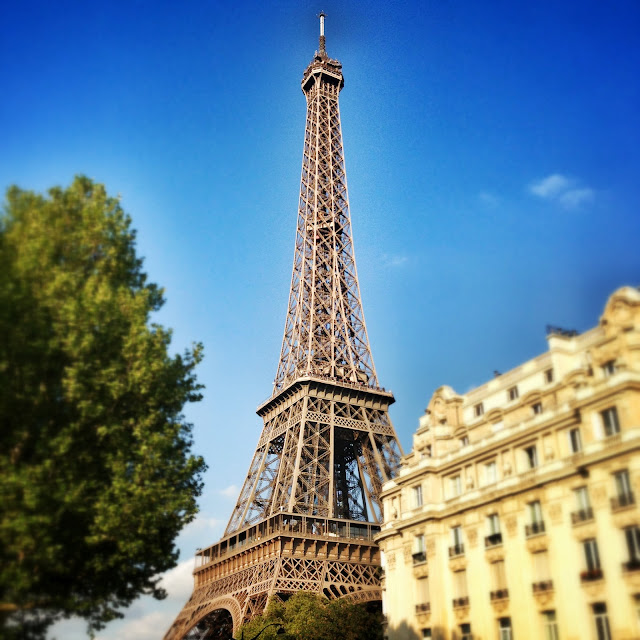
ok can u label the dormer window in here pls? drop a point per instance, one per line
(513, 393)
(548, 376)
(609, 368)
(537, 408)
(478, 410)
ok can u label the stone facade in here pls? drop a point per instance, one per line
(515, 515)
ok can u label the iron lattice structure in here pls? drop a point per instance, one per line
(310, 504)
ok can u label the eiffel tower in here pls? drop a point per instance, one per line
(310, 504)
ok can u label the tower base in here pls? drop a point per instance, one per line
(237, 577)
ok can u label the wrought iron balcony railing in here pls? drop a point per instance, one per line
(631, 565)
(456, 550)
(534, 529)
(500, 594)
(542, 585)
(622, 500)
(461, 602)
(582, 515)
(420, 557)
(423, 607)
(493, 540)
(589, 575)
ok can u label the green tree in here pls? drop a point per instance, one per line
(309, 616)
(97, 477)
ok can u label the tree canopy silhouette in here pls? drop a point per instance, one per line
(97, 476)
(309, 616)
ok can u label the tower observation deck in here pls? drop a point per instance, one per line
(310, 503)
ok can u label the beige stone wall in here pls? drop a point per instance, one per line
(473, 462)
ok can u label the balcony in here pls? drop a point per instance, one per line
(499, 594)
(420, 557)
(622, 500)
(590, 575)
(631, 565)
(534, 529)
(456, 550)
(423, 607)
(493, 540)
(583, 515)
(461, 602)
(542, 586)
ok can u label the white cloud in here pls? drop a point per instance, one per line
(151, 626)
(179, 581)
(202, 523)
(565, 191)
(229, 492)
(575, 198)
(394, 261)
(550, 187)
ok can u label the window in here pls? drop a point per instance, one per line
(465, 631)
(457, 547)
(464, 441)
(504, 626)
(548, 376)
(426, 633)
(632, 537)
(582, 498)
(536, 523)
(499, 581)
(584, 510)
(493, 528)
(537, 408)
(550, 625)
(455, 486)
(541, 571)
(478, 410)
(623, 486)
(531, 455)
(423, 596)
(601, 621)
(575, 441)
(460, 588)
(610, 421)
(592, 560)
(490, 472)
(419, 554)
(624, 495)
(609, 368)
(513, 393)
(535, 511)
(417, 496)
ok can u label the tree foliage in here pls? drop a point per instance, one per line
(96, 472)
(309, 616)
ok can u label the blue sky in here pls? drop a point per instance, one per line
(492, 152)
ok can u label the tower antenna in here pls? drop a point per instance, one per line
(323, 51)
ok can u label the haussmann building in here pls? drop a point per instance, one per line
(515, 515)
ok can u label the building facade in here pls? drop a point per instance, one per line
(515, 514)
